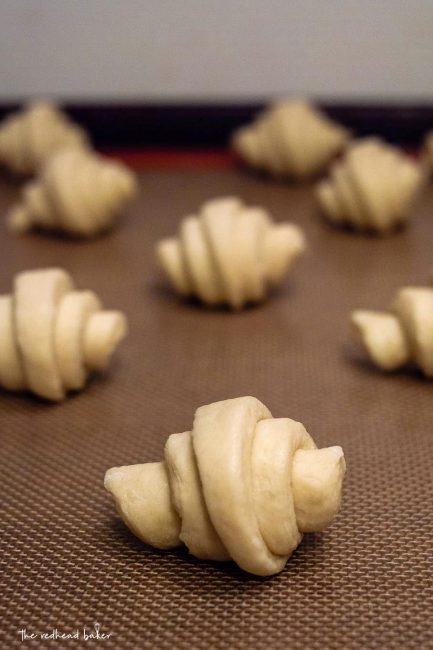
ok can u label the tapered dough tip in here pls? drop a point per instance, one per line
(142, 497)
(299, 241)
(17, 220)
(292, 236)
(357, 319)
(104, 331)
(317, 486)
(382, 336)
(364, 321)
(113, 476)
(128, 183)
(115, 480)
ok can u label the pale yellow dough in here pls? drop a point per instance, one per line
(291, 138)
(78, 193)
(371, 189)
(229, 253)
(402, 335)
(52, 336)
(241, 485)
(30, 137)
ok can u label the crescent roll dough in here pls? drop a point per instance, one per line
(241, 485)
(30, 137)
(78, 193)
(291, 138)
(371, 189)
(402, 335)
(229, 253)
(52, 336)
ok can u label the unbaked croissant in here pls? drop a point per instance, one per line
(402, 335)
(291, 138)
(52, 336)
(30, 137)
(371, 189)
(229, 253)
(79, 193)
(241, 485)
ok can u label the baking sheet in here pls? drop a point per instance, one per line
(68, 563)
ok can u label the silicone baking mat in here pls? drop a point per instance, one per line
(69, 564)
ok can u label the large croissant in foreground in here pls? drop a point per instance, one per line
(229, 253)
(30, 137)
(78, 193)
(402, 335)
(291, 138)
(241, 485)
(371, 189)
(52, 336)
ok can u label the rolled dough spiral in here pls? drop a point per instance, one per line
(371, 189)
(52, 336)
(402, 335)
(291, 138)
(78, 193)
(30, 137)
(229, 253)
(241, 485)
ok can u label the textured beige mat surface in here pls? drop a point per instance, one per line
(67, 562)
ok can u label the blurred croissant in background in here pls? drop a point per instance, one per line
(229, 253)
(28, 138)
(79, 193)
(292, 138)
(52, 336)
(371, 189)
(401, 335)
